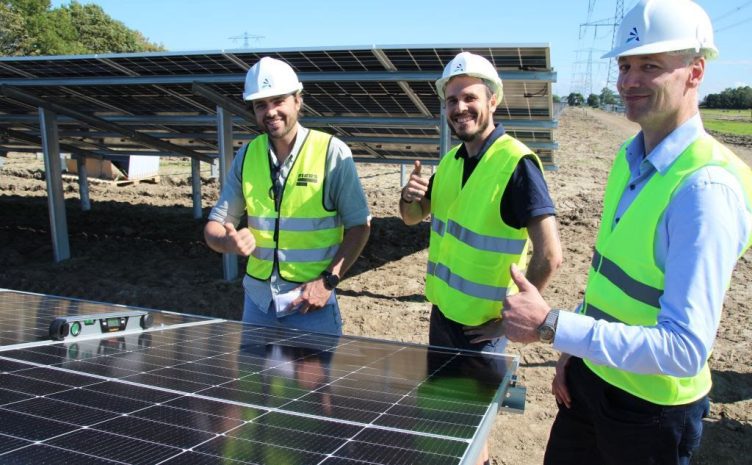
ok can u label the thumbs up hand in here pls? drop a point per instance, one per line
(239, 242)
(524, 312)
(416, 187)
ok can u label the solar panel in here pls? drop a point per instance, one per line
(337, 82)
(198, 390)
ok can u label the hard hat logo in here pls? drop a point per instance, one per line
(659, 26)
(270, 77)
(469, 64)
(633, 35)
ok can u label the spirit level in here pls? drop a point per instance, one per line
(78, 326)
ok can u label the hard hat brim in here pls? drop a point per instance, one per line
(441, 84)
(660, 47)
(271, 93)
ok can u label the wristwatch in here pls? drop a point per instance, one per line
(331, 280)
(547, 330)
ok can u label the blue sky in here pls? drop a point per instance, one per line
(191, 25)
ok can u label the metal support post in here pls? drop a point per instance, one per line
(196, 188)
(83, 183)
(54, 174)
(215, 169)
(445, 136)
(224, 139)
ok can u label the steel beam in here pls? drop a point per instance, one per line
(237, 78)
(308, 121)
(224, 132)
(99, 123)
(196, 188)
(220, 100)
(37, 141)
(83, 183)
(54, 177)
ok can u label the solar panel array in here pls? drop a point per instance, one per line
(205, 391)
(379, 87)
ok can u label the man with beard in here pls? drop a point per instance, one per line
(308, 219)
(487, 198)
(633, 380)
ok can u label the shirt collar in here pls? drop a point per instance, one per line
(497, 132)
(300, 136)
(669, 149)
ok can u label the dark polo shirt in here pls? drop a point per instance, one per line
(526, 195)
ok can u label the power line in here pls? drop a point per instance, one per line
(734, 25)
(729, 13)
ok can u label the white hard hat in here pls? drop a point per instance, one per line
(270, 77)
(657, 26)
(469, 64)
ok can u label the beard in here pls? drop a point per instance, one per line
(484, 120)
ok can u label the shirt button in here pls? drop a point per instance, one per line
(631, 187)
(617, 220)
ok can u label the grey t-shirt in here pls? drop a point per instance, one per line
(342, 189)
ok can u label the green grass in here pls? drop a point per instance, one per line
(734, 122)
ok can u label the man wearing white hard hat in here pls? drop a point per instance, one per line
(633, 379)
(308, 218)
(487, 199)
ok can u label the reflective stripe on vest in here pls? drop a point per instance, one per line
(625, 283)
(631, 287)
(470, 288)
(302, 236)
(471, 248)
(479, 241)
(294, 224)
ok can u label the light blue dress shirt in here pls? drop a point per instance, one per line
(699, 238)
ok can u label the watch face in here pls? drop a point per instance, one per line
(331, 280)
(546, 334)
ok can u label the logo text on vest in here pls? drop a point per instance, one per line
(304, 179)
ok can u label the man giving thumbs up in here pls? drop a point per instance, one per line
(486, 199)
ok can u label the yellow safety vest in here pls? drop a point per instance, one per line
(625, 283)
(471, 248)
(303, 236)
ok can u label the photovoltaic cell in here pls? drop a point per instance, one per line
(223, 392)
(165, 81)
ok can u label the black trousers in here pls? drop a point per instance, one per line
(608, 426)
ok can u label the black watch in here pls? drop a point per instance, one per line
(331, 280)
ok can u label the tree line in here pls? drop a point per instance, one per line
(606, 97)
(33, 27)
(739, 98)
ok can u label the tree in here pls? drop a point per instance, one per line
(739, 98)
(593, 101)
(31, 27)
(575, 99)
(98, 33)
(11, 29)
(556, 98)
(608, 97)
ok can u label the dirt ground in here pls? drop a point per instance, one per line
(140, 246)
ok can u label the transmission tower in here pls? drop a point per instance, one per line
(613, 68)
(610, 24)
(245, 38)
(581, 81)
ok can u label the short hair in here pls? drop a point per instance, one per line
(689, 55)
